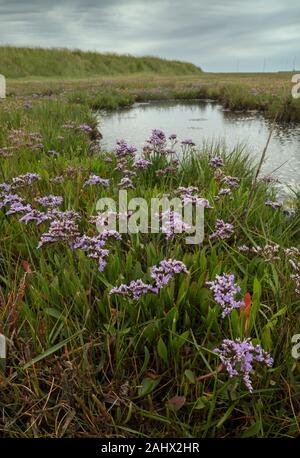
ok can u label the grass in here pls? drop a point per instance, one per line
(84, 363)
(66, 63)
(268, 93)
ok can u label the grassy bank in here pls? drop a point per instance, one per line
(268, 93)
(84, 362)
(65, 63)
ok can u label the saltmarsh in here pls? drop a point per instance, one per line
(84, 362)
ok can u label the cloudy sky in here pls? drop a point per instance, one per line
(218, 35)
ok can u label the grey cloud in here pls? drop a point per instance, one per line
(217, 35)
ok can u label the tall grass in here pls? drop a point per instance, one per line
(67, 63)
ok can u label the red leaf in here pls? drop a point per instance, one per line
(247, 304)
(177, 402)
(26, 267)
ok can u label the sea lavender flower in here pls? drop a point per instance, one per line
(135, 289)
(222, 231)
(157, 139)
(142, 164)
(35, 216)
(240, 357)
(216, 161)
(195, 200)
(224, 192)
(85, 128)
(173, 137)
(186, 190)
(94, 247)
(187, 142)
(63, 228)
(296, 276)
(292, 252)
(172, 223)
(269, 179)
(230, 181)
(269, 251)
(50, 201)
(95, 179)
(289, 212)
(7, 200)
(58, 179)
(123, 149)
(25, 180)
(273, 204)
(225, 290)
(18, 207)
(126, 183)
(165, 271)
(52, 152)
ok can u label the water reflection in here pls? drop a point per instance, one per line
(208, 122)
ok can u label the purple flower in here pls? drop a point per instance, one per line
(135, 289)
(240, 357)
(7, 200)
(166, 270)
(223, 230)
(224, 192)
(123, 149)
(172, 223)
(50, 201)
(225, 290)
(273, 204)
(85, 128)
(36, 216)
(142, 163)
(95, 179)
(232, 182)
(161, 274)
(24, 180)
(63, 228)
(157, 139)
(188, 142)
(18, 207)
(216, 161)
(126, 183)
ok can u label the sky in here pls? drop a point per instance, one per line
(217, 35)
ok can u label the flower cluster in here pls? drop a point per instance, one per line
(225, 290)
(230, 181)
(161, 275)
(63, 228)
(166, 270)
(270, 251)
(273, 204)
(50, 201)
(95, 179)
(142, 163)
(158, 139)
(123, 149)
(239, 358)
(222, 231)
(216, 161)
(172, 223)
(126, 183)
(95, 246)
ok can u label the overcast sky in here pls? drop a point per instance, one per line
(218, 35)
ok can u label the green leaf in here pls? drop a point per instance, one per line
(147, 386)
(162, 350)
(190, 375)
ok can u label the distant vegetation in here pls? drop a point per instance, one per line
(31, 62)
